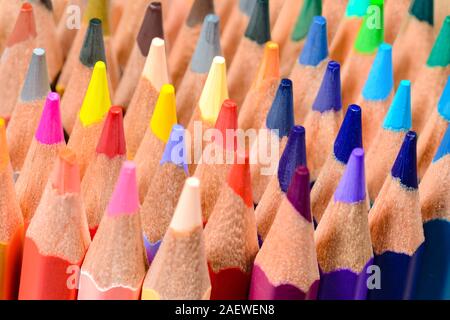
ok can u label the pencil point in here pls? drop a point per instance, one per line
(152, 27)
(239, 179)
(188, 213)
(215, 91)
(98, 9)
(258, 28)
(175, 151)
(380, 82)
(371, 33)
(165, 113)
(299, 192)
(112, 140)
(350, 134)
(281, 114)
(399, 116)
(329, 96)
(24, 27)
(444, 148)
(66, 175)
(199, 9)
(208, 45)
(4, 153)
(50, 130)
(294, 155)
(440, 54)
(228, 121)
(444, 102)
(310, 9)
(125, 200)
(155, 69)
(93, 48)
(357, 8)
(316, 45)
(352, 187)
(270, 65)
(405, 166)
(423, 10)
(97, 101)
(36, 83)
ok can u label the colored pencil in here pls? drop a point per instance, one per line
(343, 245)
(333, 11)
(433, 132)
(57, 237)
(151, 28)
(102, 172)
(66, 36)
(311, 65)
(184, 47)
(286, 266)
(396, 12)
(389, 139)
(262, 92)
(48, 141)
(206, 112)
(11, 225)
(93, 51)
(118, 239)
(224, 10)
(234, 31)
(89, 122)
(59, 7)
(415, 40)
(346, 34)
(156, 136)
(8, 14)
(285, 23)
(432, 266)
(231, 241)
(294, 45)
(212, 172)
(179, 270)
(177, 12)
(128, 28)
(323, 122)
(360, 59)
(16, 58)
(208, 47)
(116, 12)
(396, 224)
(432, 78)
(294, 155)
(348, 139)
(25, 117)
(153, 77)
(377, 93)
(251, 48)
(46, 36)
(279, 122)
(164, 192)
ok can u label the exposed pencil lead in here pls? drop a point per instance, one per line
(208, 45)
(444, 102)
(93, 48)
(329, 96)
(188, 213)
(357, 8)
(352, 187)
(239, 179)
(444, 148)
(247, 6)
(36, 83)
(440, 54)
(258, 28)
(25, 26)
(310, 9)
(50, 129)
(228, 121)
(98, 9)
(112, 140)
(350, 134)
(175, 151)
(380, 82)
(405, 166)
(399, 116)
(299, 192)
(281, 114)
(152, 27)
(293, 156)
(423, 10)
(165, 113)
(316, 45)
(125, 200)
(199, 9)
(155, 69)
(371, 34)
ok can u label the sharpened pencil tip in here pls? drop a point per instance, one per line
(352, 187)
(444, 148)
(299, 192)
(310, 9)
(239, 179)
(25, 26)
(155, 69)
(350, 134)
(112, 140)
(399, 116)
(380, 82)
(199, 9)
(93, 49)
(152, 27)
(294, 155)
(405, 166)
(371, 33)
(440, 54)
(281, 114)
(125, 199)
(165, 114)
(356, 8)
(227, 123)
(175, 151)
(36, 85)
(50, 130)
(258, 28)
(188, 213)
(98, 9)
(316, 45)
(423, 10)
(329, 96)
(208, 45)
(444, 102)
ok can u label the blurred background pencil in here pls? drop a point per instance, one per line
(396, 224)
(8, 15)
(175, 13)
(57, 237)
(66, 36)
(396, 12)
(11, 225)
